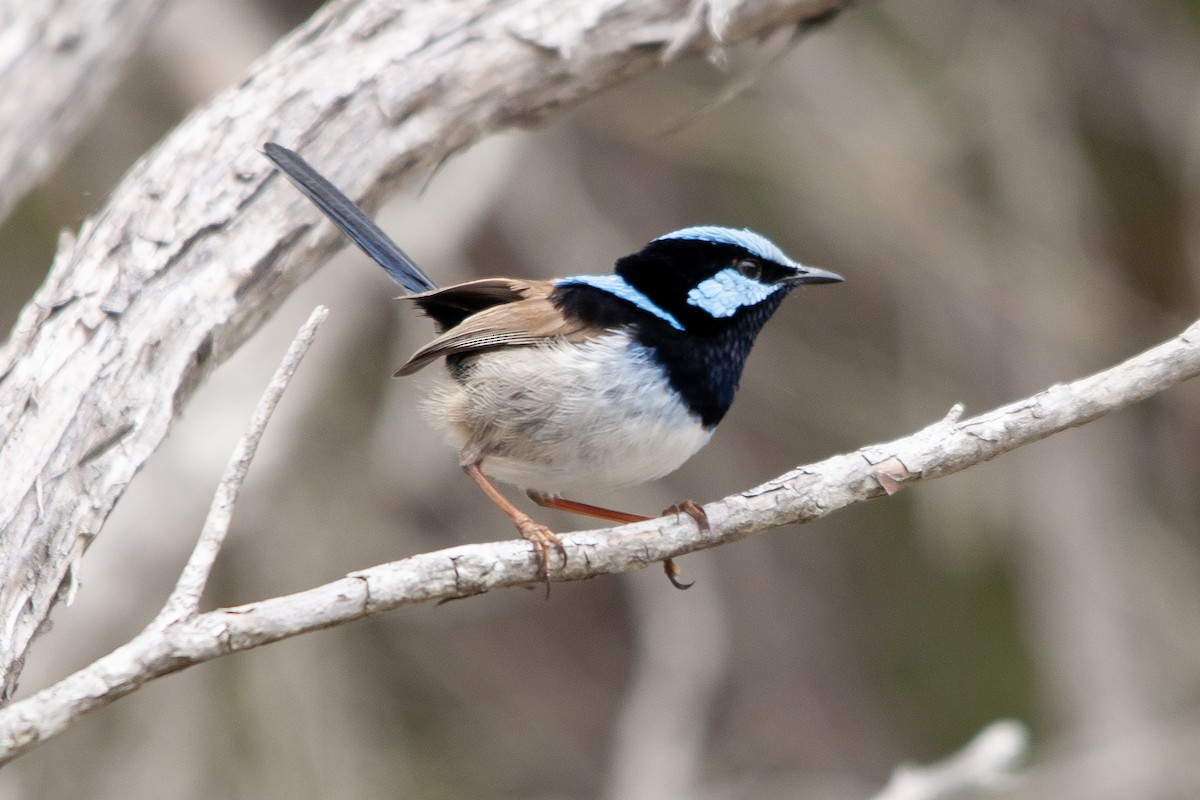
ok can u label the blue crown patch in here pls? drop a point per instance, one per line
(753, 243)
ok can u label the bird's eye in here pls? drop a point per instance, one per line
(750, 268)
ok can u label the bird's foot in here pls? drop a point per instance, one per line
(543, 540)
(694, 511)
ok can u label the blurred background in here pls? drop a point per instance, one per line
(1011, 190)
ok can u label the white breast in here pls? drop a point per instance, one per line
(563, 417)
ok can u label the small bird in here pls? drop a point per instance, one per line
(586, 382)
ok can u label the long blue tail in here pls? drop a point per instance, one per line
(350, 218)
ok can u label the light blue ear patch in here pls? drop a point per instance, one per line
(727, 291)
(616, 285)
(753, 243)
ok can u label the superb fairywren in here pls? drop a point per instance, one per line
(587, 382)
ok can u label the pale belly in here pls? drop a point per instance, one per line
(565, 418)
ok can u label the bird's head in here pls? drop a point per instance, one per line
(707, 278)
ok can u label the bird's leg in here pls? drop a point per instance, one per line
(687, 507)
(583, 509)
(541, 537)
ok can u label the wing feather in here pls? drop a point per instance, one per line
(452, 305)
(523, 323)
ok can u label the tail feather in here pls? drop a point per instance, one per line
(350, 218)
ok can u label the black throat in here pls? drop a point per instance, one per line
(704, 366)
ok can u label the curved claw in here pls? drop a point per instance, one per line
(672, 570)
(694, 511)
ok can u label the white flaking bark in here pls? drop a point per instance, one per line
(199, 243)
(803, 494)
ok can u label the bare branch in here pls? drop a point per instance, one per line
(59, 60)
(184, 601)
(198, 245)
(800, 495)
(983, 762)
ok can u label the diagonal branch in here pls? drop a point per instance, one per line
(803, 494)
(184, 601)
(198, 245)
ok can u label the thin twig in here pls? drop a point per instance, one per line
(184, 601)
(734, 89)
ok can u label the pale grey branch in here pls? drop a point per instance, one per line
(984, 762)
(800, 495)
(59, 59)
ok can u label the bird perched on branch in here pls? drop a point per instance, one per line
(585, 382)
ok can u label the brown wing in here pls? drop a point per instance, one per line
(520, 324)
(452, 305)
